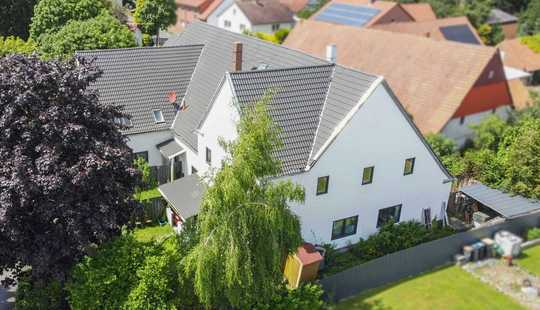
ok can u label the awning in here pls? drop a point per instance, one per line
(170, 148)
(505, 204)
(184, 195)
(514, 73)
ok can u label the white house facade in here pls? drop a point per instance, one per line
(266, 16)
(376, 136)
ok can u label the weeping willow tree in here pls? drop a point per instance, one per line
(246, 227)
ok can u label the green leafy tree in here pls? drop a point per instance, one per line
(153, 15)
(489, 133)
(14, 45)
(15, 17)
(101, 32)
(491, 34)
(446, 150)
(529, 21)
(246, 227)
(51, 15)
(147, 179)
(477, 11)
(512, 6)
(519, 156)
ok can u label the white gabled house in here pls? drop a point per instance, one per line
(346, 137)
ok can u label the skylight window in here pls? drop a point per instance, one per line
(158, 116)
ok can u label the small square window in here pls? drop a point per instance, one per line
(158, 116)
(322, 185)
(227, 24)
(389, 214)
(491, 74)
(344, 227)
(208, 156)
(367, 177)
(409, 166)
(275, 27)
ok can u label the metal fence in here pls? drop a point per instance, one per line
(413, 261)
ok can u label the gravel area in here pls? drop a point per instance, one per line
(508, 280)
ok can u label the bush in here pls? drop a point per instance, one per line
(390, 238)
(533, 233)
(30, 296)
(307, 296)
(14, 45)
(281, 34)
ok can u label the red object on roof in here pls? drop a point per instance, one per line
(172, 97)
(308, 254)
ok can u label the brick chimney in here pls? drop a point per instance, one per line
(237, 56)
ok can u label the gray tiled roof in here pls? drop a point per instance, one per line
(503, 203)
(346, 88)
(169, 148)
(184, 195)
(498, 16)
(296, 100)
(140, 79)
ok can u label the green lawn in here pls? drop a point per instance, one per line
(447, 288)
(530, 260)
(148, 194)
(148, 234)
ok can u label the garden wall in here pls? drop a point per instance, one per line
(413, 261)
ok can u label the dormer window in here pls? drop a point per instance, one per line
(124, 121)
(158, 116)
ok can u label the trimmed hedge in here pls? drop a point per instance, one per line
(390, 238)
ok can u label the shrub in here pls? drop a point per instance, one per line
(533, 233)
(307, 296)
(31, 296)
(281, 34)
(390, 238)
(14, 45)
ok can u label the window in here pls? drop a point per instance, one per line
(322, 185)
(345, 227)
(275, 27)
(124, 121)
(144, 155)
(208, 156)
(227, 23)
(367, 177)
(158, 116)
(389, 214)
(462, 120)
(409, 166)
(491, 74)
(193, 170)
(233, 11)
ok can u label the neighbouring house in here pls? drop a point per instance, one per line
(190, 10)
(347, 139)
(519, 55)
(240, 16)
(368, 13)
(445, 86)
(149, 83)
(508, 22)
(457, 29)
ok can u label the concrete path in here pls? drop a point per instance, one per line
(7, 296)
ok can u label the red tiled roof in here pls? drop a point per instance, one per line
(519, 55)
(308, 254)
(419, 11)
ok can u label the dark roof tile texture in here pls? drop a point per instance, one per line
(140, 79)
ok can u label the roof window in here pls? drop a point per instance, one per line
(158, 116)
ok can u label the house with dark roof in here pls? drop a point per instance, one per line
(346, 137)
(239, 16)
(444, 85)
(508, 22)
(149, 83)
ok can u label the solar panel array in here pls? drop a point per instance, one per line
(346, 14)
(459, 33)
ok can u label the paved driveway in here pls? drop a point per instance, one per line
(7, 297)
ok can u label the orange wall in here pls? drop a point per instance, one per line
(484, 98)
(396, 14)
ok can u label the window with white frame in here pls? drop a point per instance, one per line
(409, 166)
(158, 116)
(227, 23)
(275, 27)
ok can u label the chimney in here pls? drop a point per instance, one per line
(237, 56)
(331, 53)
(428, 34)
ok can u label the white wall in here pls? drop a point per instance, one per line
(229, 11)
(147, 142)
(459, 132)
(268, 28)
(378, 135)
(236, 17)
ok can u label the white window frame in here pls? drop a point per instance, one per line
(158, 118)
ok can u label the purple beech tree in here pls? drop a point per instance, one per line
(66, 178)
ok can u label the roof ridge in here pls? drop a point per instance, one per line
(107, 50)
(245, 72)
